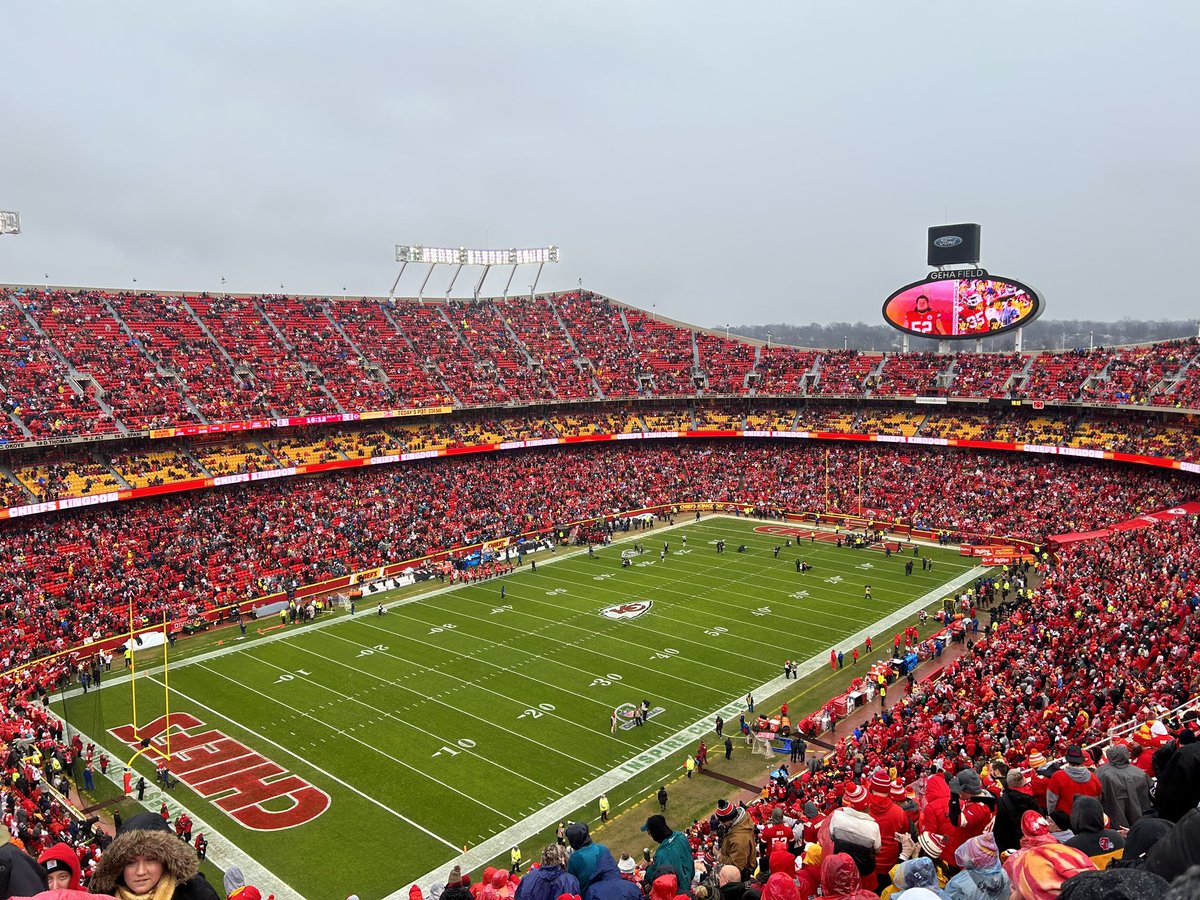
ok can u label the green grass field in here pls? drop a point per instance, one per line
(459, 719)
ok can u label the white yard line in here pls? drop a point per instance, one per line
(590, 792)
(463, 683)
(390, 715)
(342, 733)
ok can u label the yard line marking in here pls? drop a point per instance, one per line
(312, 765)
(584, 796)
(344, 732)
(465, 683)
(535, 655)
(387, 715)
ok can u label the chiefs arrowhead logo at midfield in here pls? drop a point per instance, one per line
(630, 610)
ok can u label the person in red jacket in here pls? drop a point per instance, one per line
(971, 811)
(1071, 781)
(892, 821)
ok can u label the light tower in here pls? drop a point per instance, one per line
(461, 256)
(10, 222)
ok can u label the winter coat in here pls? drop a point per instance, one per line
(1087, 822)
(1178, 788)
(179, 861)
(19, 873)
(606, 882)
(935, 811)
(676, 852)
(1179, 849)
(1010, 807)
(546, 883)
(1126, 789)
(892, 820)
(584, 860)
(739, 845)
(1068, 783)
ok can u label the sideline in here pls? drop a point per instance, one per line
(503, 841)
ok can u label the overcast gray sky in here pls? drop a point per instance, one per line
(744, 162)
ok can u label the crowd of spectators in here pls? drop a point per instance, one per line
(78, 570)
(148, 463)
(159, 359)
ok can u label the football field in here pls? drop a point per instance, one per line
(461, 719)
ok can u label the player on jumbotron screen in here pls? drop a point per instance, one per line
(980, 306)
(923, 319)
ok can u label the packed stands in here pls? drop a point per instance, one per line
(279, 379)
(172, 338)
(845, 372)
(726, 363)
(84, 330)
(781, 370)
(596, 328)
(910, 374)
(665, 351)
(537, 327)
(216, 544)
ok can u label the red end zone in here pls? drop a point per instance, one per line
(211, 763)
(822, 536)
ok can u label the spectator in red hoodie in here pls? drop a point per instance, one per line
(1071, 781)
(892, 821)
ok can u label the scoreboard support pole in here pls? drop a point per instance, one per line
(1020, 340)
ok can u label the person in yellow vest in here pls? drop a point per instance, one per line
(514, 861)
(603, 807)
(283, 617)
(689, 765)
(128, 657)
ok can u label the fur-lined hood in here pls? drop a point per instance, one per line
(178, 858)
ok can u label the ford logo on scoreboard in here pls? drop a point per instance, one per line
(950, 240)
(974, 305)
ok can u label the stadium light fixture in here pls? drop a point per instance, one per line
(462, 256)
(10, 222)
